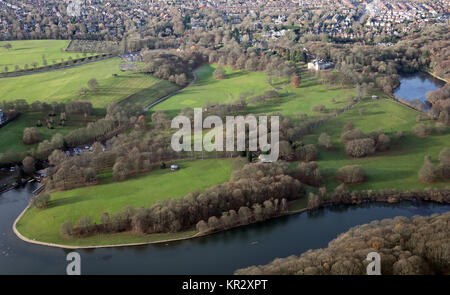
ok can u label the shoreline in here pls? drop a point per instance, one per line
(196, 235)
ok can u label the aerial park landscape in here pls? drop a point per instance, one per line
(87, 129)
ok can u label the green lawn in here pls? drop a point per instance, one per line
(11, 134)
(208, 89)
(30, 51)
(63, 85)
(394, 169)
(301, 100)
(112, 197)
(292, 101)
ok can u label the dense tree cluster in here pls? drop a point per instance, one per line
(419, 245)
(174, 67)
(244, 216)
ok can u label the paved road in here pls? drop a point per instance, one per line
(170, 94)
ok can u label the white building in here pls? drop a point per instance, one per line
(320, 65)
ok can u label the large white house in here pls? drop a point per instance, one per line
(320, 65)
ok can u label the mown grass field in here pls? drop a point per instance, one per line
(292, 101)
(63, 85)
(393, 169)
(32, 51)
(12, 133)
(112, 197)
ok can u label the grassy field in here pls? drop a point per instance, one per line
(112, 197)
(207, 89)
(293, 101)
(11, 134)
(63, 85)
(32, 51)
(396, 168)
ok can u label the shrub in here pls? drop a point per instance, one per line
(421, 130)
(351, 174)
(40, 201)
(308, 173)
(352, 135)
(348, 126)
(28, 165)
(318, 108)
(427, 173)
(66, 230)
(383, 142)
(306, 153)
(219, 73)
(360, 147)
(31, 136)
(83, 224)
(324, 141)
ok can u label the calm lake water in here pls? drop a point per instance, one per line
(221, 253)
(415, 87)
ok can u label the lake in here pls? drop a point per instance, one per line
(221, 253)
(414, 87)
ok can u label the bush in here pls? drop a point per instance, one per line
(348, 126)
(308, 173)
(31, 136)
(383, 142)
(306, 153)
(427, 173)
(28, 165)
(40, 201)
(360, 147)
(318, 108)
(352, 135)
(324, 141)
(66, 230)
(421, 130)
(219, 73)
(351, 174)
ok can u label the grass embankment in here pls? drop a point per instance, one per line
(12, 133)
(393, 169)
(33, 51)
(292, 101)
(63, 85)
(111, 197)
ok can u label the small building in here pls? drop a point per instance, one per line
(174, 167)
(319, 65)
(374, 97)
